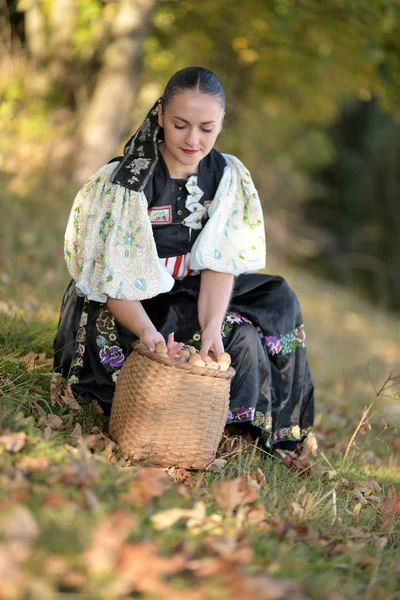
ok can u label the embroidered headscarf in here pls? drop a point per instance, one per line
(140, 154)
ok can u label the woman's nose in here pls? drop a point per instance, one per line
(193, 137)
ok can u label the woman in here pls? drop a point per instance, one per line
(161, 243)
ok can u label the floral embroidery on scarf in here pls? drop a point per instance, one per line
(286, 343)
(137, 165)
(111, 356)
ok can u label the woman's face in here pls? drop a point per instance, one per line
(191, 122)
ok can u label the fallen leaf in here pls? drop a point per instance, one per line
(20, 528)
(68, 398)
(166, 518)
(96, 405)
(301, 466)
(55, 389)
(141, 569)
(217, 465)
(356, 509)
(179, 475)
(149, 483)
(77, 431)
(297, 509)
(14, 442)
(256, 479)
(30, 463)
(255, 513)
(310, 446)
(231, 494)
(395, 444)
(389, 508)
(365, 560)
(32, 359)
(54, 422)
(106, 542)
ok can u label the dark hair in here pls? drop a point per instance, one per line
(193, 78)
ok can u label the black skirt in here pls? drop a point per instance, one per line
(272, 392)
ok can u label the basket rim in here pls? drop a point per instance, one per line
(141, 349)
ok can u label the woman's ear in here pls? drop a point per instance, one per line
(160, 116)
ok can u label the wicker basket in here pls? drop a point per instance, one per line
(168, 412)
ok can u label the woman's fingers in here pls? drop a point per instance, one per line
(172, 346)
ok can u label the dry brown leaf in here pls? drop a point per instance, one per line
(230, 548)
(166, 518)
(255, 513)
(140, 568)
(368, 488)
(14, 442)
(301, 466)
(20, 529)
(357, 509)
(179, 475)
(149, 483)
(389, 508)
(217, 465)
(107, 540)
(55, 389)
(231, 494)
(365, 560)
(256, 479)
(96, 405)
(310, 446)
(297, 509)
(68, 398)
(77, 431)
(32, 360)
(395, 444)
(30, 463)
(53, 422)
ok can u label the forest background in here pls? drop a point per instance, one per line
(313, 107)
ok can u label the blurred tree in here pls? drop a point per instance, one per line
(107, 120)
(358, 204)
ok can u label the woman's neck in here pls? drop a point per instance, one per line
(176, 169)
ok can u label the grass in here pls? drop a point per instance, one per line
(79, 521)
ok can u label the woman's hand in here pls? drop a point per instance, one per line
(173, 347)
(211, 339)
(150, 337)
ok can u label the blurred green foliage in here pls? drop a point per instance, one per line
(291, 70)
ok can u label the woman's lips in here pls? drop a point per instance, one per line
(189, 151)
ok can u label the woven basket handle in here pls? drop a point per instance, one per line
(183, 366)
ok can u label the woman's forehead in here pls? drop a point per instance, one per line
(192, 105)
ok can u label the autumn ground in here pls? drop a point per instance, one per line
(77, 520)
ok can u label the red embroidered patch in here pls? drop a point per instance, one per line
(160, 215)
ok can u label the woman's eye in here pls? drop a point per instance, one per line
(179, 127)
(206, 130)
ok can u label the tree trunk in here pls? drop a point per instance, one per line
(35, 31)
(62, 24)
(109, 111)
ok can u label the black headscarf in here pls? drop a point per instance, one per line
(140, 154)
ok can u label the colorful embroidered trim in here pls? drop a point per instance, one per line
(285, 343)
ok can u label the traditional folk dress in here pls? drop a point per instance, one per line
(135, 233)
